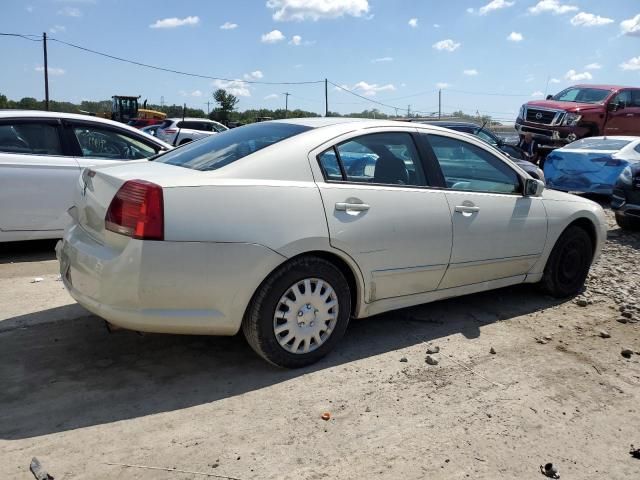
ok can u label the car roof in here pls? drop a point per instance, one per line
(191, 119)
(601, 86)
(614, 137)
(318, 122)
(13, 113)
(451, 123)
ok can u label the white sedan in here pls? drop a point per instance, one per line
(41, 156)
(287, 229)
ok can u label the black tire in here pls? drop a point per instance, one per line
(568, 265)
(184, 140)
(627, 223)
(258, 324)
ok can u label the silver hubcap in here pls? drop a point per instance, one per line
(305, 315)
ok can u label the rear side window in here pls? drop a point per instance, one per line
(30, 138)
(216, 151)
(108, 144)
(379, 158)
(166, 124)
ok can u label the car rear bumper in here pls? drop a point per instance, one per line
(162, 286)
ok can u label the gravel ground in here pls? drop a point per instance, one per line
(521, 379)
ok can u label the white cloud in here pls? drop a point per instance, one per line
(58, 28)
(442, 85)
(271, 96)
(228, 26)
(299, 10)
(515, 37)
(51, 70)
(551, 6)
(195, 93)
(175, 22)
(472, 72)
(382, 60)
(577, 77)
(593, 66)
(234, 87)
(255, 75)
(370, 90)
(29, 9)
(554, 80)
(435, 25)
(631, 64)
(584, 19)
(413, 22)
(495, 5)
(530, 78)
(273, 36)
(537, 93)
(296, 40)
(471, 10)
(70, 12)
(631, 26)
(448, 45)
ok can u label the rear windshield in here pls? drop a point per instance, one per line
(582, 95)
(219, 150)
(598, 144)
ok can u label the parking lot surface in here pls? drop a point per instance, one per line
(557, 389)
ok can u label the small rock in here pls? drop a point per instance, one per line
(37, 280)
(489, 415)
(433, 350)
(326, 416)
(623, 320)
(430, 360)
(492, 351)
(627, 314)
(547, 338)
(604, 334)
(368, 409)
(581, 302)
(404, 360)
(626, 352)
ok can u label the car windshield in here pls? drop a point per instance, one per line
(582, 95)
(231, 145)
(598, 144)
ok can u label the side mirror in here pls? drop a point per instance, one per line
(533, 187)
(549, 97)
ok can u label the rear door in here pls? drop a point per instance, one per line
(497, 232)
(37, 175)
(382, 213)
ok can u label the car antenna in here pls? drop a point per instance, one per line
(184, 108)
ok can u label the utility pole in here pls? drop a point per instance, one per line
(286, 103)
(46, 71)
(408, 111)
(326, 98)
(162, 101)
(208, 103)
(439, 104)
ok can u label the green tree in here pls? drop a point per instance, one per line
(227, 104)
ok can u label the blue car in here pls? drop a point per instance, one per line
(591, 165)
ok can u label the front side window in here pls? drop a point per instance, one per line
(582, 95)
(96, 142)
(380, 158)
(30, 138)
(468, 167)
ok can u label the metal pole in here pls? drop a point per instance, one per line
(46, 71)
(286, 104)
(326, 99)
(439, 104)
(408, 111)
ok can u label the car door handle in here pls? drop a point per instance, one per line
(629, 114)
(466, 209)
(353, 207)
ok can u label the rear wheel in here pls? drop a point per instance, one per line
(299, 313)
(627, 223)
(568, 265)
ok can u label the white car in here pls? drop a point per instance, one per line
(178, 131)
(286, 229)
(41, 156)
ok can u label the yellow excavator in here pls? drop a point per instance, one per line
(125, 109)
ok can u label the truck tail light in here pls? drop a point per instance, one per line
(137, 211)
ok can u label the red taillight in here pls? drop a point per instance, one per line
(137, 211)
(170, 130)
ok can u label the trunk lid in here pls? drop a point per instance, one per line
(98, 185)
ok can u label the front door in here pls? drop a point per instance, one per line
(36, 178)
(497, 232)
(381, 212)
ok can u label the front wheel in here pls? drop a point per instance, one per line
(568, 265)
(299, 313)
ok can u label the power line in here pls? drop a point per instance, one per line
(489, 94)
(25, 36)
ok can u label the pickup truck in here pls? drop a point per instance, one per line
(581, 111)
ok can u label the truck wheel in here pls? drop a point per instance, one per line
(299, 313)
(568, 265)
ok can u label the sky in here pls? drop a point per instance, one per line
(486, 56)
